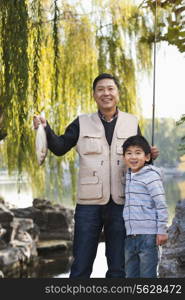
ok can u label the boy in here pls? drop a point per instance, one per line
(145, 211)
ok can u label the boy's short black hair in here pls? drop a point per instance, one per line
(105, 76)
(140, 141)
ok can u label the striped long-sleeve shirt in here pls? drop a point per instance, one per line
(145, 210)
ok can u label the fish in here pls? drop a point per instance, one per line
(41, 144)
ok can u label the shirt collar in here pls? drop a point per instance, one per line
(103, 117)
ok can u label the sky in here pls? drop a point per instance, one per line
(170, 85)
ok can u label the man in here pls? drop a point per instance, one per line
(98, 138)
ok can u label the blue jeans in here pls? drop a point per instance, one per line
(141, 256)
(89, 222)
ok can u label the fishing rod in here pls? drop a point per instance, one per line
(154, 74)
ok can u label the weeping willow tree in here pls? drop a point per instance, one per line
(50, 52)
(120, 49)
(42, 68)
(14, 43)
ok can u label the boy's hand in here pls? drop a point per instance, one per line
(161, 239)
(154, 152)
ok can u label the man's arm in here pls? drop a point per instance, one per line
(155, 152)
(59, 144)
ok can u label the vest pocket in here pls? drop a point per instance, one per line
(119, 149)
(91, 145)
(90, 188)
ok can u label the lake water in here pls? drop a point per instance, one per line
(21, 196)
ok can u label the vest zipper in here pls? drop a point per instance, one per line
(129, 203)
(110, 171)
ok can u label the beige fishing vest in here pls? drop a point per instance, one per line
(101, 171)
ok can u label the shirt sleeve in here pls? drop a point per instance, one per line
(157, 193)
(61, 144)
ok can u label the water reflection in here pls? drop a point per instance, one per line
(15, 193)
(174, 189)
(99, 267)
(52, 264)
(44, 266)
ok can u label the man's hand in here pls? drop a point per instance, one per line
(154, 152)
(161, 239)
(37, 120)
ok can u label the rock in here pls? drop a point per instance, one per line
(8, 256)
(6, 204)
(22, 239)
(54, 221)
(25, 233)
(21, 249)
(42, 203)
(53, 245)
(1, 274)
(2, 231)
(3, 244)
(172, 263)
(5, 214)
(2, 201)
(6, 217)
(13, 262)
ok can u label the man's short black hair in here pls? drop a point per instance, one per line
(140, 141)
(105, 76)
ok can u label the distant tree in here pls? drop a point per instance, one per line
(182, 140)
(167, 139)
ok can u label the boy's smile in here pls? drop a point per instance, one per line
(135, 158)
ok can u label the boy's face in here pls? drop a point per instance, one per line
(135, 158)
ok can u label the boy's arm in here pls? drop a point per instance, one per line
(157, 193)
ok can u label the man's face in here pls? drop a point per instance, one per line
(106, 94)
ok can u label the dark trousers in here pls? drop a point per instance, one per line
(89, 222)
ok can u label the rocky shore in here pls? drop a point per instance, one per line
(27, 235)
(172, 264)
(37, 241)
